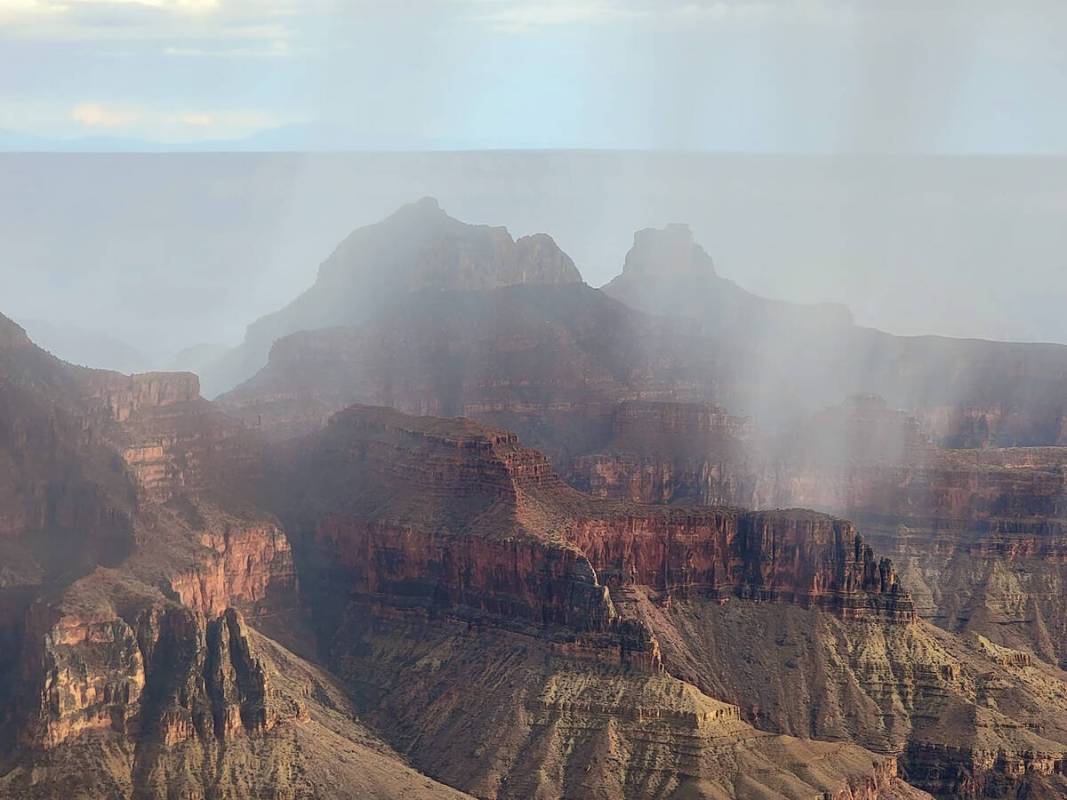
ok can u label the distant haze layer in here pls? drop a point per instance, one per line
(170, 251)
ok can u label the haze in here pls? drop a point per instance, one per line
(163, 252)
(904, 159)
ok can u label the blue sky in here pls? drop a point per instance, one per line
(941, 76)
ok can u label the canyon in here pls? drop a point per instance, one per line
(472, 528)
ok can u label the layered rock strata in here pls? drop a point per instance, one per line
(475, 520)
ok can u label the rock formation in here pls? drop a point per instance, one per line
(977, 534)
(779, 359)
(455, 557)
(473, 516)
(126, 669)
(517, 352)
(127, 694)
(598, 617)
(419, 248)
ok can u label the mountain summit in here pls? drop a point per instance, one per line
(417, 248)
(668, 251)
(667, 272)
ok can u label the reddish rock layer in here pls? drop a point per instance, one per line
(791, 556)
(123, 395)
(980, 534)
(163, 674)
(447, 513)
(243, 565)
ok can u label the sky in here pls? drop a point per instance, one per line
(807, 76)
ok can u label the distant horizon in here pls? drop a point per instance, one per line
(138, 147)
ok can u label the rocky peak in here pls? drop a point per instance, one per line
(423, 209)
(667, 251)
(420, 246)
(12, 334)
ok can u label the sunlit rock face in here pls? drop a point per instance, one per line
(978, 534)
(128, 576)
(164, 673)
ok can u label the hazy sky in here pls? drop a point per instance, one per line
(765, 75)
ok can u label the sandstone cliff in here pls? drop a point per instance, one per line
(978, 534)
(473, 517)
(126, 669)
(128, 695)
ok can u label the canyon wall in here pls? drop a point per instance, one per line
(477, 519)
(165, 673)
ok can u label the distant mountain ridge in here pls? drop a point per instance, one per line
(675, 329)
(417, 248)
(87, 348)
(667, 270)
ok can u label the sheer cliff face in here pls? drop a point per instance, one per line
(456, 515)
(418, 248)
(978, 534)
(140, 679)
(441, 555)
(126, 669)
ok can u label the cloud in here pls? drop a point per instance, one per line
(268, 49)
(197, 119)
(519, 16)
(516, 17)
(94, 115)
(159, 124)
(172, 21)
(218, 124)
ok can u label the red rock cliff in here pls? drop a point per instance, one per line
(155, 670)
(449, 513)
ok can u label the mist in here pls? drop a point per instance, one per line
(169, 251)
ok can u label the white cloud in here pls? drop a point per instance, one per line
(518, 16)
(147, 122)
(172, 21)
(268, 49)
(515, 17)
(197, 119)
(95, 115)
